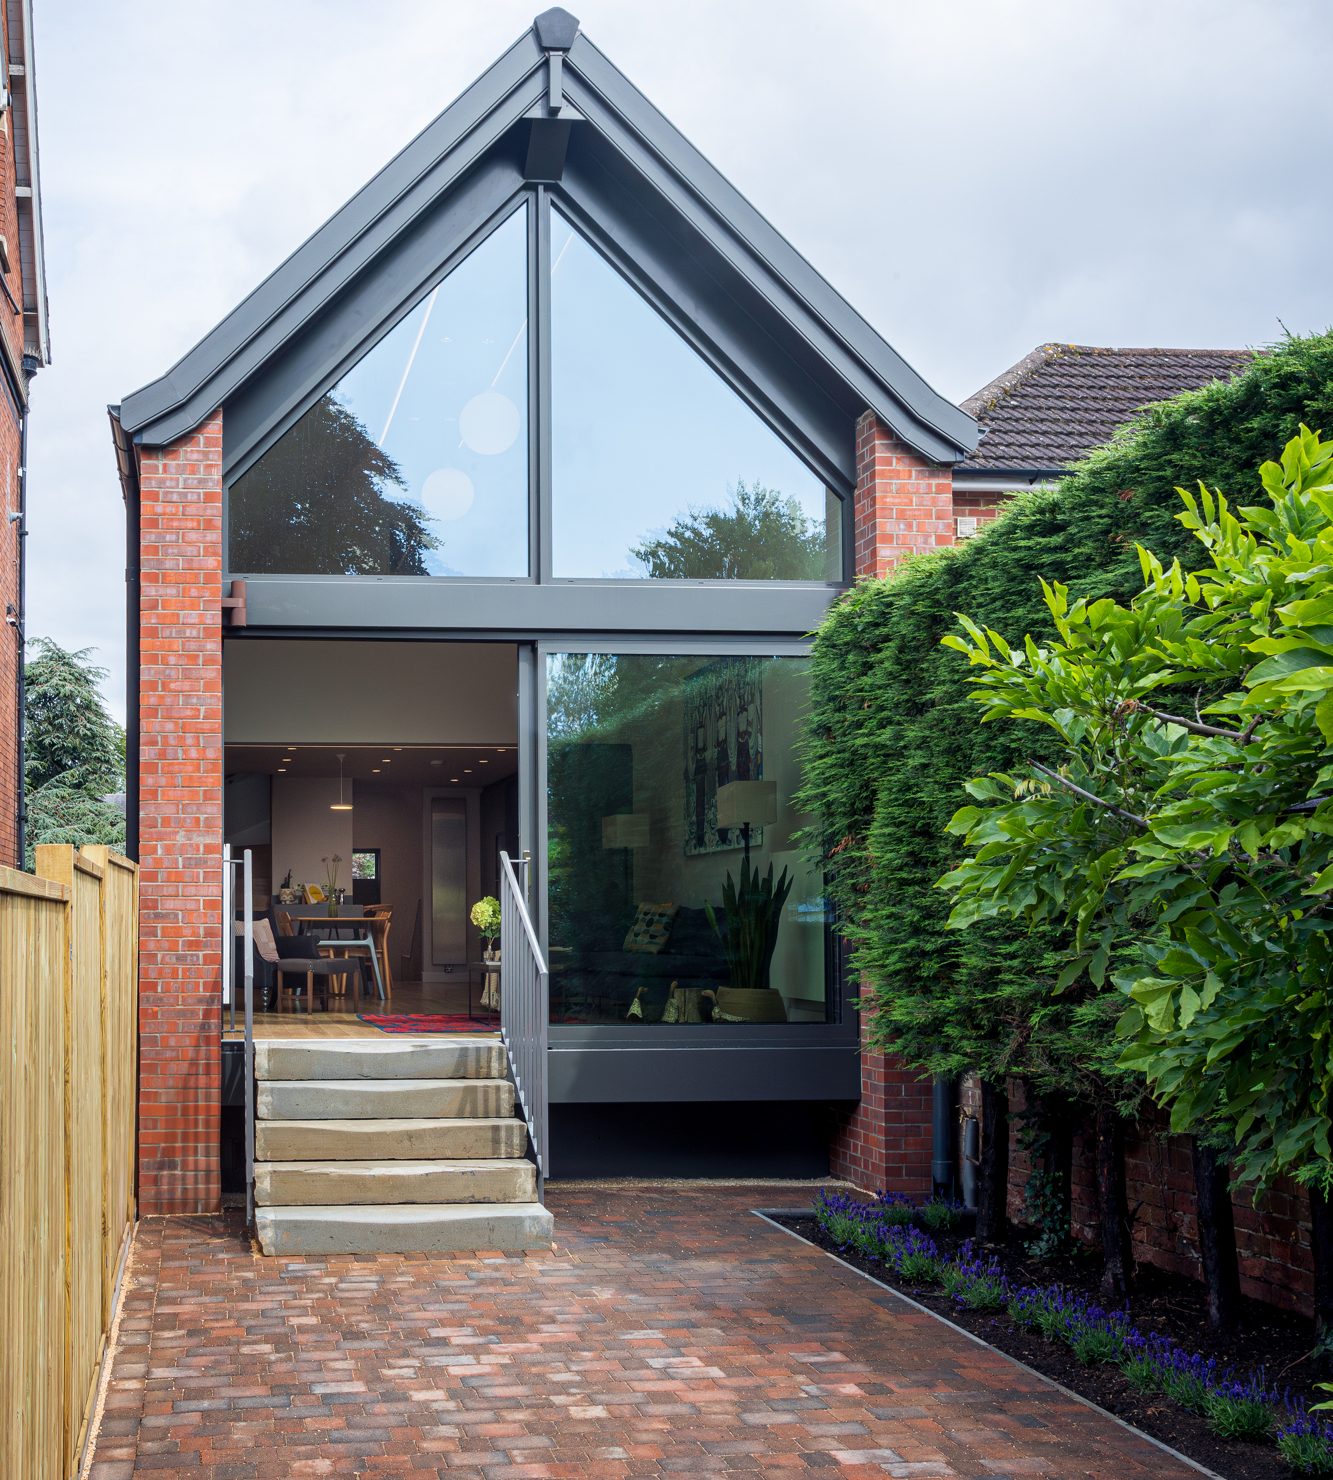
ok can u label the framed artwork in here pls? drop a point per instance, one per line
(314, 894)
(724, 741)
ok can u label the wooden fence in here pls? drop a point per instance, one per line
(68, 1075)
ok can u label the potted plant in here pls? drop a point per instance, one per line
(286, 891)
(749, 934)
(485, 915)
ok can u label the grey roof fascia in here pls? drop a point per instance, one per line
(30, 207)
(912, 407)
(322, 266)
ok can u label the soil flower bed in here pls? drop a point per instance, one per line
(1155, 1365)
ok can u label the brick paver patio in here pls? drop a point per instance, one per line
(671, 1332)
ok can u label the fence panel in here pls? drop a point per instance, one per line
(68, 1029)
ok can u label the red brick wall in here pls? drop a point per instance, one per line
(902, 504)
(1272, 1236)
(180, 822)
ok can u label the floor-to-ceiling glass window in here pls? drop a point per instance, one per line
(678, 893)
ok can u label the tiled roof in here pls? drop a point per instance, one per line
(1062, 400)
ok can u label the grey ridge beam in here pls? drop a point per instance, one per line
(520, 86)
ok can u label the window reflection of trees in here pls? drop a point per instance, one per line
(763, 535)
(321, 502)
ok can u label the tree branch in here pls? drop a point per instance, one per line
(1199, 727)
(1088, 796)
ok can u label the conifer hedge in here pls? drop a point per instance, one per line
(892, 734)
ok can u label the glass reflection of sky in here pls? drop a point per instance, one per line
(642, 428)
(445, 393)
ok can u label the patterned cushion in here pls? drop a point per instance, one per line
(650, 929)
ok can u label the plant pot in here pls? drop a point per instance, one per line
(751, 1004)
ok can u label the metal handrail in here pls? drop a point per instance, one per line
(524, 1009)
(248, 961)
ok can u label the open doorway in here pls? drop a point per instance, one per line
(375, 779)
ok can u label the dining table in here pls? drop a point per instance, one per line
(331, 927)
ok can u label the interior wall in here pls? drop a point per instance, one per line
(388, 817)
(281, 692)
(306, 830)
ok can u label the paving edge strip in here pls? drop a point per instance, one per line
(771, 1215)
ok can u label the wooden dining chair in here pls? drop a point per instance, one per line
(382, 914)
(284, 919)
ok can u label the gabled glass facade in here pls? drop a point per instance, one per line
(435, 454)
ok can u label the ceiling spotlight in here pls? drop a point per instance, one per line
(281, 770)
(467, 770)
(483, 762)
(453, 778)
(396, 749)
(374, 770)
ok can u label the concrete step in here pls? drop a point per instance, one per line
(373, 1058)
(380, 1099)
(329, 1183)
(411, 1139)
(404, 1228)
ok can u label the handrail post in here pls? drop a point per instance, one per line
(248, 963)
(524, 1009)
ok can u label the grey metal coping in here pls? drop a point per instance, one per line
(668, 165)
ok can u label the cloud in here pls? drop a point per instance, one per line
(976, 177)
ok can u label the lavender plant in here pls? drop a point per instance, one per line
(1241, 1408)
(1306, 1444)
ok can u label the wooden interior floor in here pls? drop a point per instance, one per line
(342, 1022)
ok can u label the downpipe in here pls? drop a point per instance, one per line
(944, 1105)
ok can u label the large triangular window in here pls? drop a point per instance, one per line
(416, 461)
(660, 471)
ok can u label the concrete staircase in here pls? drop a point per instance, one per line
(399, 1147)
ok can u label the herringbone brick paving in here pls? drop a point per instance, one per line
(669, 1333)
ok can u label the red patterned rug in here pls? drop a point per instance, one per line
(426, 1022)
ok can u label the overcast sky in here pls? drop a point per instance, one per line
(976, 176)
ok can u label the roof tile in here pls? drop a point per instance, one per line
(1062, 400)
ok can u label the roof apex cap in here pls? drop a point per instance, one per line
(556, 29)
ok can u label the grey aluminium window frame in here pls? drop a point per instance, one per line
(440, 601)
(600, 1063)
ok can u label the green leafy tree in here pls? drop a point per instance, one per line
(892, 736)
(319, 502)
(73, 752)
(763, 535)
(1183, 835)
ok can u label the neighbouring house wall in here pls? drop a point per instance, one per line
(13, 396)
(180, 822)
(902, 504)
(980, 504)
(11, 635)
(306, 832)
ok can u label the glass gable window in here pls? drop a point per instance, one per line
(416, 461)
(660, 471)
(676, 892)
